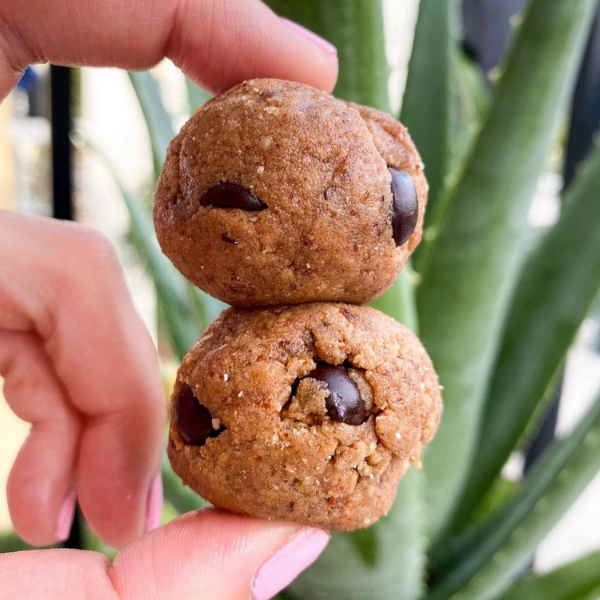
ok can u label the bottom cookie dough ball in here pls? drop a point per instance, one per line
(309, 413)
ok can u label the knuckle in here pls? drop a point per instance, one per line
(87, 268)
(91, 249)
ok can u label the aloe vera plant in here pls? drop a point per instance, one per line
(497, 319)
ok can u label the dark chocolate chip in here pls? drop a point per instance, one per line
(405, 206)
(344, 403)
(194, 421)
(350, 316)
(227, 239)
(231, 195)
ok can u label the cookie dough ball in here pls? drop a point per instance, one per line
(276, 193)
(307, 413)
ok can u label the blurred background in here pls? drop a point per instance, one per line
(108, 125)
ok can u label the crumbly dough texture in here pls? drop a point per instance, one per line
(280, 455)
(321, 167)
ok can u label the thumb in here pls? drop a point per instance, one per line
(216, 42)
(208, 554)
(215, 556)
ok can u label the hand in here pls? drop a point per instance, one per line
(77, 362)
(217, 43)
(206, 555)
(81, 368)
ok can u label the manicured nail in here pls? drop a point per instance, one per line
(288, 562)
(155, 504)
(310, 35)
(65, 517)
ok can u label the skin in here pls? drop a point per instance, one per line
(76, 360)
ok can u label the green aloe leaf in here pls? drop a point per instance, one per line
(579, 580)
(428, 106)
(483, 562)
(556, 290)
(182, 498)
(471, 267)
(399, 300)
(472, 102)
(196, 96)
(171, 288)
(206, 307)
(355, 27)
(158, 120)
(379, 563)
(11, 542)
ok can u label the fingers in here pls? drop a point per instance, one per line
(64, 283)
(249, 41)
(34, 393)
(209, 555)
(216, 42)
(215, 555)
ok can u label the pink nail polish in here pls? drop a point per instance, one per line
(322, 43)
(65, 517)
(155, 504)
(288, 562)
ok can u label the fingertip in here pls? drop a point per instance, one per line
(39, 487)
(212, 554)
(288, 562)
(325, 45)
(116, 479)
(325, 72)
(66, 514)
(155, 503)
(273, 47)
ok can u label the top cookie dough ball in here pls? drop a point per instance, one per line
(276, 193)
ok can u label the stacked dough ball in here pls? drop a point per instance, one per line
(294, 207)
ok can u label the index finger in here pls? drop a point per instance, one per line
(92, 387)
(217, 43)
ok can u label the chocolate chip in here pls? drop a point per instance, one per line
(227, 239)
(350, 316)
(405, 206)
(344, 403)
(231, 195)
(194, 421)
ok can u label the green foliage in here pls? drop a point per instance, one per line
(157, 118)
(470, 269)
(355, 27)
(182, 498)
(196, 96)
(399, 300)
(428, 105)
(10, 542)
(380, 565)
(579, 580)
(496, 316)
(554, 294)
(482, 562)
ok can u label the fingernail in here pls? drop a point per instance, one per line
(310, 35)
(155, 504)
(288, 562)
(65, 517)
